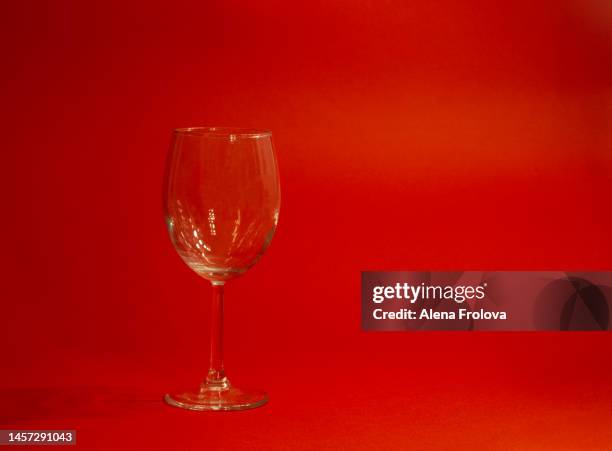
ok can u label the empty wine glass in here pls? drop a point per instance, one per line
(221, 204)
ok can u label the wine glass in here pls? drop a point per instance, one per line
(221, 204)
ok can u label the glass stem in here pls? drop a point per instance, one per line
(216, 379)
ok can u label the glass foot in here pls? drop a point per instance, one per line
(214, 399)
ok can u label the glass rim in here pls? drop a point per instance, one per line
(224, 132)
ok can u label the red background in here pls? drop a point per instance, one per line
(429, 135)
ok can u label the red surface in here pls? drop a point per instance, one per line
(429, 135)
